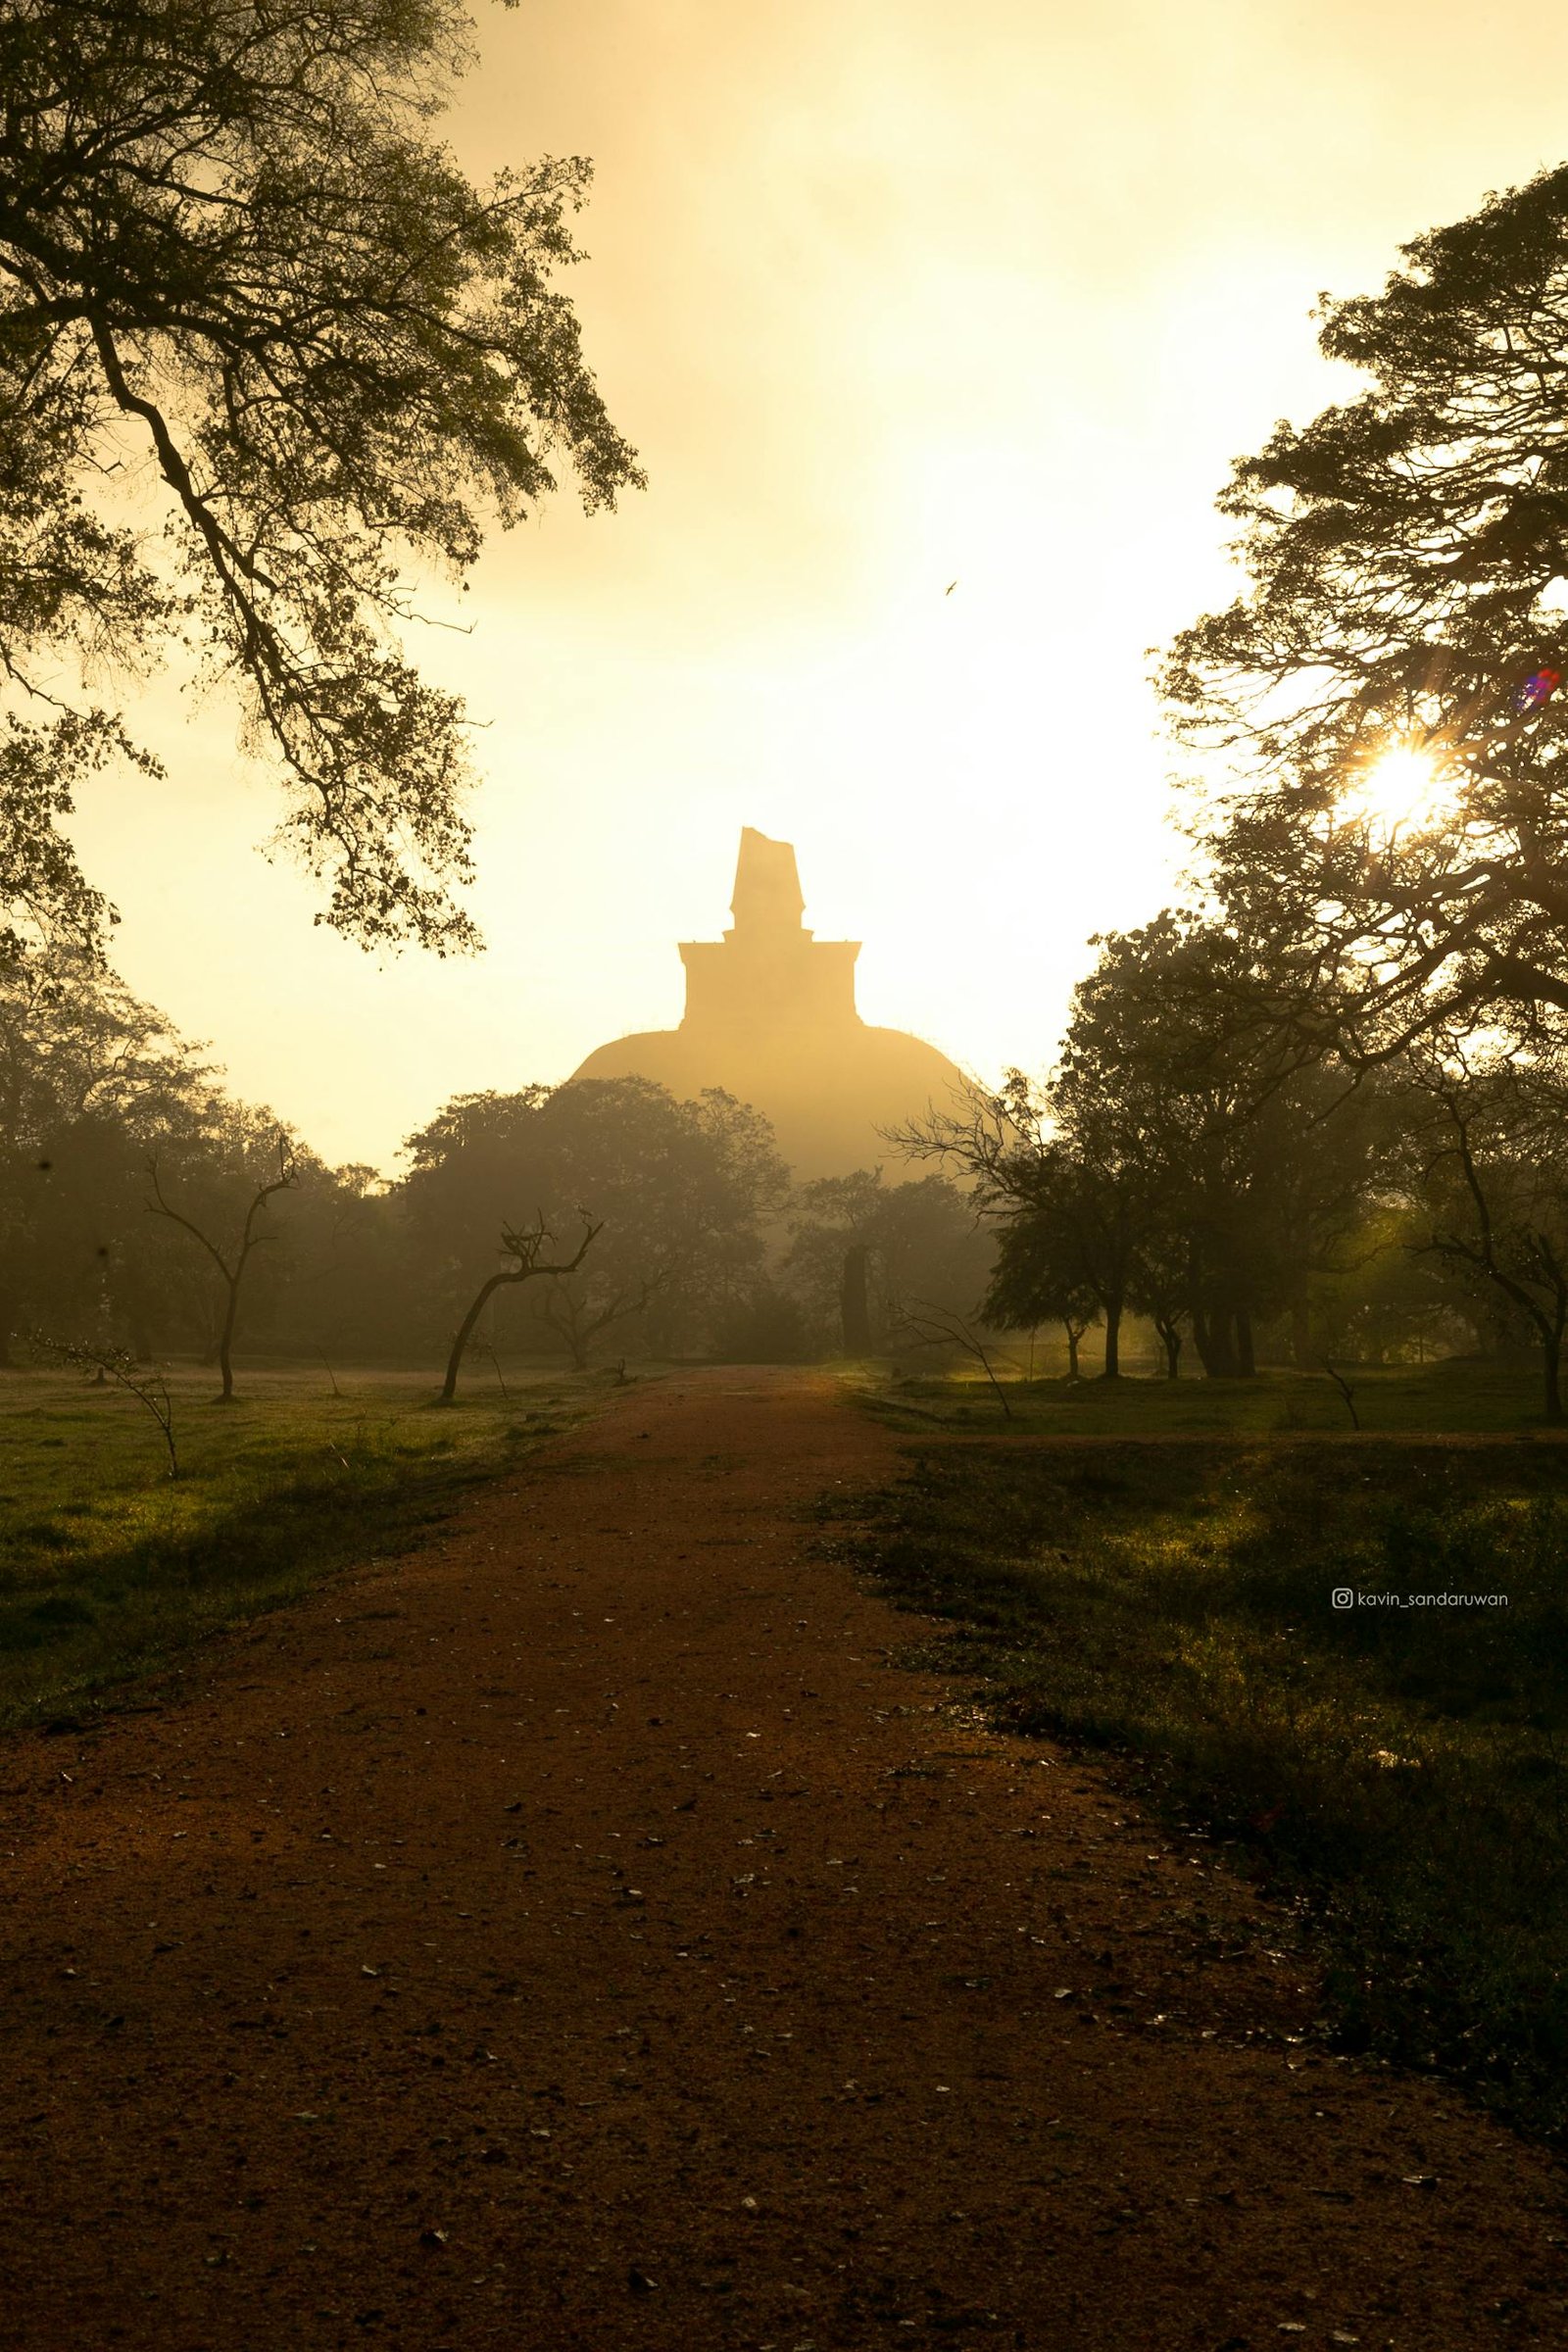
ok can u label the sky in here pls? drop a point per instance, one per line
(887, 294)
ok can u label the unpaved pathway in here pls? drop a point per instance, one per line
(577, 1935)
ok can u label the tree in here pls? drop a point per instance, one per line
(1067, 1253)
(1021, 1178)
(1495, 1184)
(149, 1387)
(522, 1248)
(1070, 1185)
(1408, 555)
(860, 1248)
(1242, 1168)
(1176, 1161)
(1160, 1282)
(91, 1082)
(931, 1325)
(1391, 1300)
(579, 1320)
(1038, 1280)
(233, 1258)
(350, 1292)
(1169, 1114)
(232, 252)
(682, 1190)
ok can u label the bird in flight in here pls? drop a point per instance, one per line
(948, 590)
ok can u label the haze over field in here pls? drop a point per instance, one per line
(886, 296)
(478, 1428)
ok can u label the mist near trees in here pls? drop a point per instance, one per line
(1318, 1112)
(1321, 1110)
(142, 1207)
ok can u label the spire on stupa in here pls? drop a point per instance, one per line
(768, 972)
(767, 896)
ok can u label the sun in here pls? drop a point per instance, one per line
(1403, 789)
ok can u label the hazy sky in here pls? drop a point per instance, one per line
(887, 293)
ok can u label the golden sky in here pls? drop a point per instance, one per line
(887, 293)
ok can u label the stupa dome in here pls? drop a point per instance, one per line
(770, 1017)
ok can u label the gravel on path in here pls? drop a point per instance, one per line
(578, 1933)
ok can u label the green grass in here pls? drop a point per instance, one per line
(108, 1567)
(1464, 1394)
(1401, 1772)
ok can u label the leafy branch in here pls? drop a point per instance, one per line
(149, 1387)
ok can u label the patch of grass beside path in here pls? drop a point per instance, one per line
(1400, 1772)
(108, 1567)
(1464, 1394)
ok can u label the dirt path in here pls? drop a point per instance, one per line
(577, 1935)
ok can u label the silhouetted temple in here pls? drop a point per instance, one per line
(770, 1017)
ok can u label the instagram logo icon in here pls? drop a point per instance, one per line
(1343, 1597)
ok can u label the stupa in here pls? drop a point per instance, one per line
(770, 1017)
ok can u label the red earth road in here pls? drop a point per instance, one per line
(577, 1933)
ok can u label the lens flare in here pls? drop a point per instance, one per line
(1536, 689)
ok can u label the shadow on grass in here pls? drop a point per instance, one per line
(1401, 1768)
(1464, 1394)
(108, 1569)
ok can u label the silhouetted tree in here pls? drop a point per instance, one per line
(579, 1321)
(522, 1248)
(148, 1386)
(855, 1305)
(229, 241)
(1242, 1168)
(861, 1247)
(230, 1258)
(1495, 1183)
(1038, 1278)
(1179, 1161)
(1160, 1281)
(682, 1189)
(1068, 1193)
(1406, 552)
(91, 1080)
(1159, 1109)
(931, 1325)
(1066, 1253)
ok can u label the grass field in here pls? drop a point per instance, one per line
(108, 1566)
(1463, 1394)
(1400, 1771)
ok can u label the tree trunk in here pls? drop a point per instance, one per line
(1212, 1334)
(1113, 1370)
(854, 1303)
(1171, 1338)
(560, 1314)
(578, 1342)
(1246, 1360)
(1201, 1339)
(1551, 1352)
(226, 1343)
(1073, 1337)
(449, 1387)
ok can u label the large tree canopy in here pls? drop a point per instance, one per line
(681, 1190)
(235, 263)
(1408, 562)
